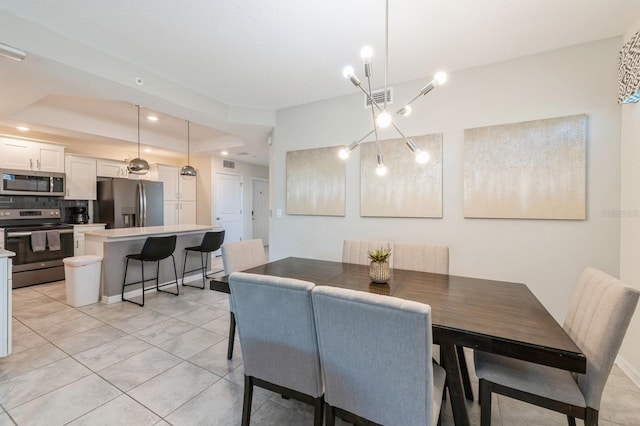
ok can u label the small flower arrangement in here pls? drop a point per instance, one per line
(379, 255)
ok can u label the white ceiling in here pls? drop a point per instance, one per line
(229, 65)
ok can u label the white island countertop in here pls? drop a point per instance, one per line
(6, 253)
(121, 234)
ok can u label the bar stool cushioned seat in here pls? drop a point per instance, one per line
(155, 249)
(210, 243)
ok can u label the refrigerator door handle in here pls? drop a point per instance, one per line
(144, 205)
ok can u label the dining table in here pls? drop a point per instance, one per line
(499, 317)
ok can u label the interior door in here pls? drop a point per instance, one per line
(228, 205)
(260, 210)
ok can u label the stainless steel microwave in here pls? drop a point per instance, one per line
(25, 182)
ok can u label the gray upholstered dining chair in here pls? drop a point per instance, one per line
(421, 257)
(278, 335)
(238, 256)
(355, 251)
(599, 313)
(375, 357)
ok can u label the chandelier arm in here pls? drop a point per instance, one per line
(373, 116)
(408, 103)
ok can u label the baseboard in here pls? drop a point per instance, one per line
(629, 370)
(135, 293)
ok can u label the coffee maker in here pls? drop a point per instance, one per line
(79, 215)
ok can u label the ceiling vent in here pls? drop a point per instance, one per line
(378, 96)
(228, 164)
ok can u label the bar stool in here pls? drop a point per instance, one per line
(210, 243)
(155, 249)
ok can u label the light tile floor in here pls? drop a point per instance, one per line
(166, 363)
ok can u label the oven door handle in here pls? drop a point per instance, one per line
(14, 234)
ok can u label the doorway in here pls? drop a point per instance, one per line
(228, 205)
(260, 210)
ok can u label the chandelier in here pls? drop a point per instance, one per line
(381, 116)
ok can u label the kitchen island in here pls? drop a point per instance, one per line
(114, 244)
(5, 302)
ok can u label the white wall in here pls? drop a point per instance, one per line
(547, 255)
(630, 226)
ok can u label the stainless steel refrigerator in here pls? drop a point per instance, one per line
(125, 203)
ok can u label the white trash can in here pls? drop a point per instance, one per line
(82, 279)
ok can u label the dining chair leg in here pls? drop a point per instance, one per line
(318, 411)
(485, 403)
(331, 415)
(591, 417)
(232, 335)
(248, 396)
(464, 372)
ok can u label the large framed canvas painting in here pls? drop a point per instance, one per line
(316, 182)
(529, 170)
(408, 189)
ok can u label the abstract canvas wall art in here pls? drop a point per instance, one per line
(316, 182)
(408, 189)
(529, 170)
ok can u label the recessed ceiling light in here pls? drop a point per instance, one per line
(152, 118)
(147, 150)
(23, 128)
(225, 153)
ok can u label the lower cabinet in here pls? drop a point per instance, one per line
(78, 236)
(179, 212)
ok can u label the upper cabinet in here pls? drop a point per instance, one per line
(29, 155)
(179, 195)
(81, 178)
(112, 168)
(176, 187)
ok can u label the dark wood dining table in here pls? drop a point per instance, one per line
(499, 317)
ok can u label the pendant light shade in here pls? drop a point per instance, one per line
(138, 166)
(188, 172)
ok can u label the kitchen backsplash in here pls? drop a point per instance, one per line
(31, 202)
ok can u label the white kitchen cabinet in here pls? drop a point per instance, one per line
(179, 195)
(179, 212)
(187, 213)
(29, 155)
(5, 303)
(81, 175)
(78, 236)
(111, 168)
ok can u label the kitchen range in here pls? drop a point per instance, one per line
(40, 241)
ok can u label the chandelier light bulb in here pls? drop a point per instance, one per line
(440, 78)
(422, 157)
(348, 72)
(383, 120)
(366, 53)
(344, 153)
(406, 110)
(381, 170)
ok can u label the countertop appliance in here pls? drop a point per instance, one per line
(24, 182)
(36, 266)
(125, 203)
(78, 215)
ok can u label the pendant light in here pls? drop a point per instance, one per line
(138, 166)
(188, 171)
